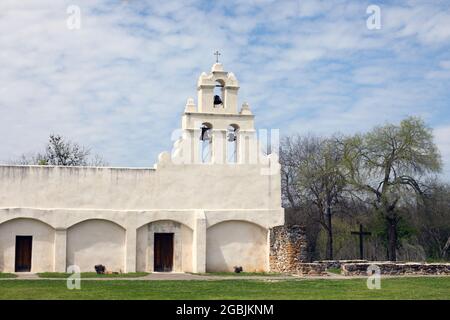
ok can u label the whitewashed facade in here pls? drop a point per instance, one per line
(206, 206)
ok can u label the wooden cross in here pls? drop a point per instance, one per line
(361, 235)
(217, 54)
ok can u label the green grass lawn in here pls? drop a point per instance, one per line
(334, 270)
(392, 288)
(92, 275)
(7, 275)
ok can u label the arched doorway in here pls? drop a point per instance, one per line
(26, 245)
(164, 246)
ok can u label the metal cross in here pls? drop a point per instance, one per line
(217, 54)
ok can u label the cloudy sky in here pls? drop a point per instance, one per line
(119, 83)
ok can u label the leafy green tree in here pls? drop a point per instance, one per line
(388, 162)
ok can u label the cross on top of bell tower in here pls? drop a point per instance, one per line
(217, 54)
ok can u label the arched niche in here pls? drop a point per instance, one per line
(236, 243)
(96, 241)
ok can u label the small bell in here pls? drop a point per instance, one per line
(231, 137)
(217, 100)
(205, 134)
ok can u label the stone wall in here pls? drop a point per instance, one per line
(288, 252)
(287, 248)
(309, 269)
(336, 264)
(393, 268)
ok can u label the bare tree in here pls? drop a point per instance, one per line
(311, 176)
(62, 152)
(432, 219)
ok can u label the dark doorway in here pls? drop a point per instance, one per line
(23, 253)
(163, 252)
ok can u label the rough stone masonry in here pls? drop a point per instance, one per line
(288, 252)
(397, 268)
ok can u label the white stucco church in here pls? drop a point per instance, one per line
(206, 206)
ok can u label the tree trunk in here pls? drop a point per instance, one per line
(445, 249)
(329, 235)
(392, 238)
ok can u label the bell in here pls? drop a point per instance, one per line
(231, 137)
(217, 100)
(205, 134)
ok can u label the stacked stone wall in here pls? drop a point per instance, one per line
(336, 264)
(395, 268)
(288, 252)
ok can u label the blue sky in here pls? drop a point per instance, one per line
(119, 83)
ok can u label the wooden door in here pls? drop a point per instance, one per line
(23, 253)
(163, 252)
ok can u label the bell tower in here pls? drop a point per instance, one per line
(215, 131)
(226, 102)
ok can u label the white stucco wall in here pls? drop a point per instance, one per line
(171, 186)
(236, 243)
(238, 202)
(42, 257)
(186, 240)
(193, 231)
(141, 248)
(95, 242)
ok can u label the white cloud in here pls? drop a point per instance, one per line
(119, 84)
(428, 22)
(441, 72)
(445, 64)
(442, 139)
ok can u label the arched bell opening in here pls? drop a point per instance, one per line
(232, 141)
(219, 94)
(205, 142)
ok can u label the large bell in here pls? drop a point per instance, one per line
(217, 100)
